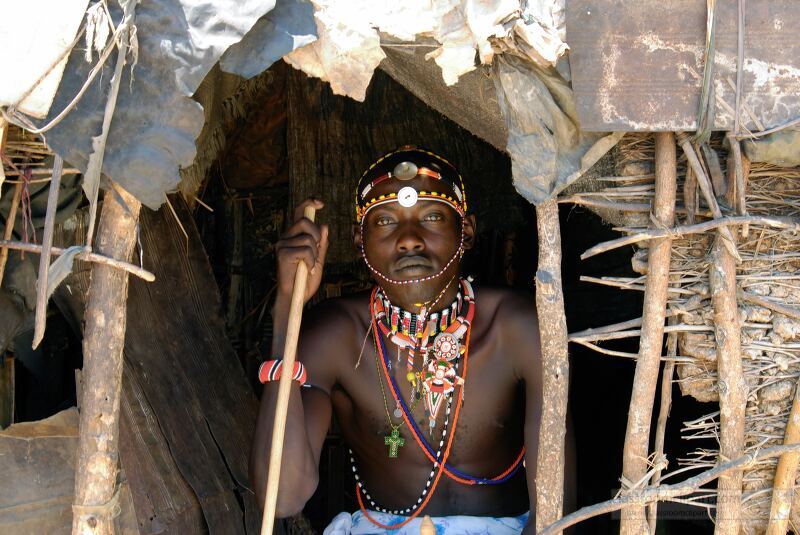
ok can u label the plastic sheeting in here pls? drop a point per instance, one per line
(156, 122)
(349, 45)
(548, 151)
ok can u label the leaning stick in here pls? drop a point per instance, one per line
(785, 473)
(44, 258)
(284, 389)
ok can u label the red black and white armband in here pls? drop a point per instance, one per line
(270, 370)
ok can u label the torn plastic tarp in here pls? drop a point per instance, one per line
(548, 151)
(547, 148)
(290, 25)
(349, 46)
(156, 122)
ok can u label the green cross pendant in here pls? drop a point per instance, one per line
(394, 441)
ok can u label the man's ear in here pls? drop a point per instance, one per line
(358, 239)
(469, 231)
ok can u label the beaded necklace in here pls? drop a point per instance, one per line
(393, 440)
(437, 378)
(407, 414)
(430, 486)
(427, 488)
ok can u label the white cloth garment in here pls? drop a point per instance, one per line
(358, 524)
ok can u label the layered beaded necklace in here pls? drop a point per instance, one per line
(441, 457)
(412, 333)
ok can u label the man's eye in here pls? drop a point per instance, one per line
(383, 221)
(433, 217)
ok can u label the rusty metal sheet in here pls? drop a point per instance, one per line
(638, 66)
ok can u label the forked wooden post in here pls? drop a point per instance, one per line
(637, 434)
(555, 368)
(284, 389)
(96, 500)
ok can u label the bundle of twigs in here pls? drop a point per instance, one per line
(768, 298)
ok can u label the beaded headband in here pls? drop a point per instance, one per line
(408, 169)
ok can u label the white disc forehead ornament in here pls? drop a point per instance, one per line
(407, 197)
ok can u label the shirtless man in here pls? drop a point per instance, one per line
(457, 376)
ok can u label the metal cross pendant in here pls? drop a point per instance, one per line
(394, 441)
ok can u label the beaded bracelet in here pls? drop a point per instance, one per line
(270, 370)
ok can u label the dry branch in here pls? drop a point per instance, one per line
(613, 328)
(785, 473)
(661, 426)
(555, 367)
(641, 497)
(637, 434)
(772, 305)
(84, 255)
(39, 171)
(732, 387)
(708, 192)
(790, 224)
(44, 257)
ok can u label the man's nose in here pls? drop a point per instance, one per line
(409, 239)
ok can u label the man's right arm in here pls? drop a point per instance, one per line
(309, 412)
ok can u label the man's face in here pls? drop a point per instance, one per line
(405, 243)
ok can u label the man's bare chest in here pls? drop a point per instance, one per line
(371, 401)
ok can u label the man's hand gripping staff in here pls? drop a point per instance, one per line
(302, 250)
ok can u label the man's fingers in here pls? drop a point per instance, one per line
(301, 241)
(301, 254)
(316, 203)
(304, 226)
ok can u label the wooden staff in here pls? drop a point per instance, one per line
(284, 389)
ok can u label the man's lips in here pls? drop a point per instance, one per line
(408, 263)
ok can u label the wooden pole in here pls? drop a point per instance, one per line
(284, 389)
(785, 474)
(44, 258)
(96, 499)
(731, 385)
(663, 416)
(555, 368)
(12, 212)
(637, 434)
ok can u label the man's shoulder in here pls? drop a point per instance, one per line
(506, 304)
(338, 313)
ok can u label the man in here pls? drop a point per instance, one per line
(421, 372)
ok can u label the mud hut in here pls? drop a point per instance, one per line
(203, 128)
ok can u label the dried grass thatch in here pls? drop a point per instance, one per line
(768, 281)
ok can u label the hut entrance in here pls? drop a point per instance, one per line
(297, 139)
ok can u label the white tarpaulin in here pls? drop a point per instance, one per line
(467, 33)
(31, 45)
